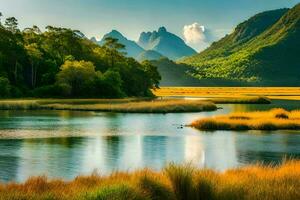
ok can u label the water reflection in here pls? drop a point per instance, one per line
(67, 144)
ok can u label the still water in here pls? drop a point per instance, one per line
(63, 144)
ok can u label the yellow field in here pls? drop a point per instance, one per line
(288, 93)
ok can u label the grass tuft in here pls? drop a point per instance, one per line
(176, 182)
(117, 192)
(181, 178)
(155, 189)
(275, 119)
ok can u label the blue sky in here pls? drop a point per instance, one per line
(97, 17)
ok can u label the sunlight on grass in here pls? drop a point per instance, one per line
(289, 93)
(275, 119)
(175, 182)
(122, 106)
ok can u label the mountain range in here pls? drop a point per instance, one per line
(152, 45)
(263, 50)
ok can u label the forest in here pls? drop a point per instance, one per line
(60, 62)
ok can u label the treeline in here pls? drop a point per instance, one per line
(61, 62)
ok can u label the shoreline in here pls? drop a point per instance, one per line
(173, 182)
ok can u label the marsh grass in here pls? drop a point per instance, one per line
(275, 119)
(123, 106)
(287, 93)
(173, 183)
(241, 100)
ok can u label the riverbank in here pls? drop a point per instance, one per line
(275, 119)
(174, 182)
(283, 93)
(111, 105)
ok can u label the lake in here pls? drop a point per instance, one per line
(65, 144)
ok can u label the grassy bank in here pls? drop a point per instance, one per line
(122, 106)
(289, 93)
(173, 183)
(275, 119)
(241, 100)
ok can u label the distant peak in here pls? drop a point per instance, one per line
(94, 39)
(162, 29)
(115, 32)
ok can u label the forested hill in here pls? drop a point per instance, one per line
(62, 62)
(263, 50)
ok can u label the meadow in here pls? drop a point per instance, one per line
(275, 119)
(111, 105)
(175, 182)
(287, 93)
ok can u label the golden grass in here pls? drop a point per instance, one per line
(241, 100)
(288, 93)
(275, 119)
(123, 106)
(173, 183)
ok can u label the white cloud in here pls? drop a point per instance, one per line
(194, 33)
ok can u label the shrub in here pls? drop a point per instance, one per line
(4, 87)
(57, 90)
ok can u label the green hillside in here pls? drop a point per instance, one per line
(149, 55)
(262, 50)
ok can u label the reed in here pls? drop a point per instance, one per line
(287, 93)
(173, 183)
(275, 119)
(242, 100)
(122, 106)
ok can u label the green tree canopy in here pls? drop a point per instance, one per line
(75, 74)
(11, 24)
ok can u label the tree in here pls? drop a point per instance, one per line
(153, 75)
(35, 56)
(112, 84)
(114, 48)
(76, 74)
(0, 18)
(11, 24)
(4, 87)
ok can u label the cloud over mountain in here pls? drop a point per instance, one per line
(194, 33)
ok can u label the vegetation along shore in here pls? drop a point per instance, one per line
(275, 119)
(107, 105)
(173, 183)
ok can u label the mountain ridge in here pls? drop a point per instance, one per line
(165, 43)
(258, 58)
(152, 45)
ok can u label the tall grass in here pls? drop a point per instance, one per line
(242, 100)
(173, 183)
(288, 93)
(124, 106)
(275, 119)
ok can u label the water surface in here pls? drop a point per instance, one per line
(65, 144)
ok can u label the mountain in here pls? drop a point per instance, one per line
(263, 50)
(131, 48)
(165, 43)
(149, 55)
(178, 75)
(152, 45)
(174, 74)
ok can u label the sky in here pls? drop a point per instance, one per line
(198, 22)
